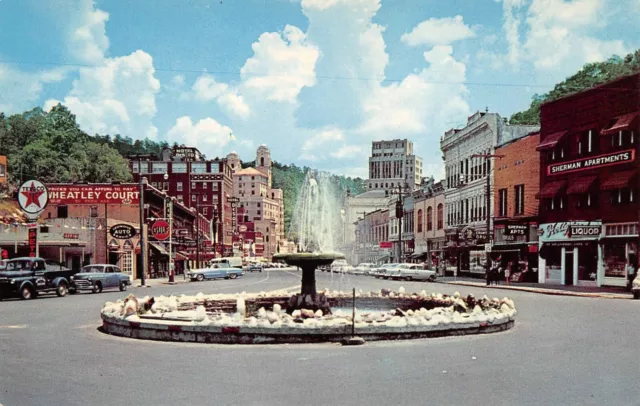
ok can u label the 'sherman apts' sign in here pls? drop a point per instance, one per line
(614, 158)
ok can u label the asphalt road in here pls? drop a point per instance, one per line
(562, 351)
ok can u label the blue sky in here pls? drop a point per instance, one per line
(316, 80)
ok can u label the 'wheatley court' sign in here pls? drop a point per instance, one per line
(93, 194)
(614, 158)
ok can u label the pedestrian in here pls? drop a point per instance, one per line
(507, 273)
(631, 271)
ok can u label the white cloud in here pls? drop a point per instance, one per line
(558, 37)
(89, 41)
(116, 98)
(349, 151)
(207, 133)
(206, 89)
(438, 31)
(421, 102)
(313, 149)
(20, 90)
(177, 81)
(282, 64)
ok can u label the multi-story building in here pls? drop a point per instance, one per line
(429, 213)
(372, 238)
(517, 181)
(3, 170)
(393, 164)
(261, 204)
(204, 185)
(588, 206)
(466, 186)
(403, 245)
(357, 207)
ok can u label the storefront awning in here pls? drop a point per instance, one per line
(551, 189)
(618, 180)
(159, 248)
(181, 256)
(622, 123)
(551, 141)
(581, 185)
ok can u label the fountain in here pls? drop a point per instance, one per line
(315, 217)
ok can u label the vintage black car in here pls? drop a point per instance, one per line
(27, 277)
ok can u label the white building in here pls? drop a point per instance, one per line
(466, 184)
(392, 164)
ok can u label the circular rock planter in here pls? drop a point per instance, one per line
(263, 319)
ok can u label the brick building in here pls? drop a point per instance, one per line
(428, 212)
(198, 183)
(589, 185)
(3, 170)
(516, 183)
(372, 237)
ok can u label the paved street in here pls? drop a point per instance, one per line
(562, 351)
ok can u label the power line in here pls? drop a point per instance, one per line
(324, 77)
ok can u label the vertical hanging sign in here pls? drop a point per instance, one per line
(234, 203)
(33, 241)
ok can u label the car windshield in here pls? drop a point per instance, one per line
(18, 265)
(91, 269)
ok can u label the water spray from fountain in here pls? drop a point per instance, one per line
(316, 216)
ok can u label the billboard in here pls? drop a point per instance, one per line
(66, 194)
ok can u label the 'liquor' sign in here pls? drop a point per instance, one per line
(614, 158)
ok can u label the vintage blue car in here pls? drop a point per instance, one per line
(215, 271)
(98, 277)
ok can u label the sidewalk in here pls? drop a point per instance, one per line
(546, 289)
(178, 279)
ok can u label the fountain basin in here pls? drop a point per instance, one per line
(212, 321)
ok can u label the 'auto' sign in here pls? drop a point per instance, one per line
(122, 231)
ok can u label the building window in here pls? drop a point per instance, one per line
(159, 167)
(134, 167)
(180, 199)
(205, 211)
(179, 186)
(519, 199)
(62, 212)
(193, 185)
(204, 198)
(204, 185)
(198, 167)
(420, 220)
(154, 184)
(193, 198)
(558, 203)
(587, 200)
(502, 204)
(440, 216)
(622, 196)
(215, 168)
(165, 186)
(178, 167)
(259, 212)
(429, 218)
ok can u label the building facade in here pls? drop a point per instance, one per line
(204, 185)
(429, 215)
(261, 205)
(588, 204)
(469, 181)
(392, 164)
(372, 238)
(3, 170)
(517, 182)
(357, 207)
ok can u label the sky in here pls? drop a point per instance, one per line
(315, 80)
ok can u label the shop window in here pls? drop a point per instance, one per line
(615, 260)
(93, 211)
(502, 202)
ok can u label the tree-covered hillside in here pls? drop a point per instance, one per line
(592, 74)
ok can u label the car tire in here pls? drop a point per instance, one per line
(62, 289)
(27, 293)
(200, 277)
(97, 287)
(72, 291)
(232, 276)
(432, 278)
(636, 295)
(123, 286)
(408, 279)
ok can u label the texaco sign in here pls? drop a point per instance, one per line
(33, 196)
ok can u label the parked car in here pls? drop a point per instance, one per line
(365, 268)
(100, 276)
(635, 287)
(3, 263)
(235, 262)
(386, 271)
(255, 268)
(30, 276)
(215, 271)
(411, 272)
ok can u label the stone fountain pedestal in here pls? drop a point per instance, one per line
(309, 298)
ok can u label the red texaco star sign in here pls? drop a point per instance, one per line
(33, 196)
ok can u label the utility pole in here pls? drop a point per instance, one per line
(487, 158)
(402, 191)
(142, 239)
(197, 231)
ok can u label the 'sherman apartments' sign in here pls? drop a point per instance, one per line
(614, 158)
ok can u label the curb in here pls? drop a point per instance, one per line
(549, 292)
